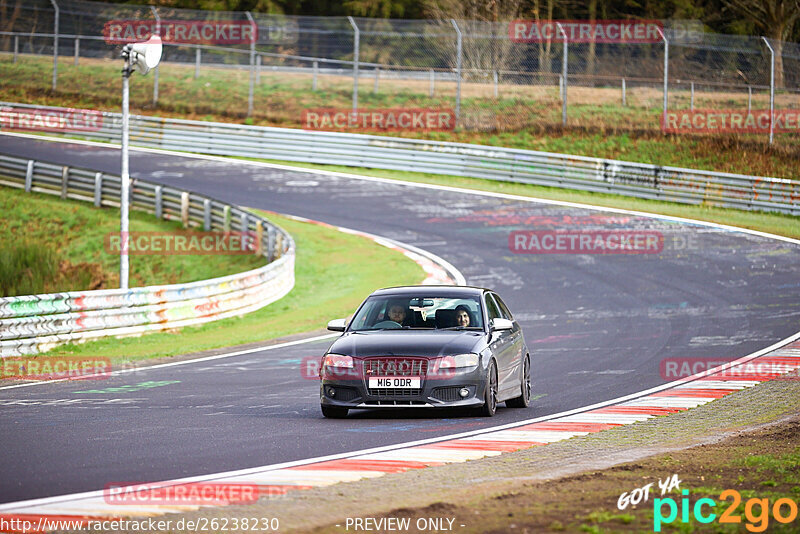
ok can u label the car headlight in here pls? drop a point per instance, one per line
(459, 361)
(338, 361)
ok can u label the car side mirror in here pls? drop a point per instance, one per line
(337, 325)
(501, 324)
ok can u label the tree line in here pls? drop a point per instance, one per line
(777, 19)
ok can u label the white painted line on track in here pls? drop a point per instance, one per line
(182, 362)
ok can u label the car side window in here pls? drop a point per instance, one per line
(503, 307)
(491, 308)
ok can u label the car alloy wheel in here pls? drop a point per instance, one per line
(524, 400)
(490, 394)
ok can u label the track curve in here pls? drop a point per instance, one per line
(599, 327)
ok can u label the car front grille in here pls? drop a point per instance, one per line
(394, 392)
(392, 366)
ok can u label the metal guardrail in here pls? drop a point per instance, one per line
(639, 180)
(35, 323)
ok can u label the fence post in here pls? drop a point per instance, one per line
(314, 78)
(749, 98)
(185, 209)
(691, 98)
(98, 189)
(77, 49)
(16, 47)
(564, 72)
(432, 77)
(495, 83)
(356, 45)
(197, 53)
(55, 44)
(459, 52)
(155, 71)
(624, 98)
(29, 176)
(252, 65)
(259, 237)
(377, 75)
(666, 77)
(64, 181)
(159, 202)
(771, 89)
(270, 244)
(243, 228)
(206, 215)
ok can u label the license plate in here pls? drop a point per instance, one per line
(395, 382)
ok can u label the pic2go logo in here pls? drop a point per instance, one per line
(756, 511)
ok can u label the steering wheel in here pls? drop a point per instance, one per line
(387, 324)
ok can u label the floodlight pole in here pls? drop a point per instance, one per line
(124, 180)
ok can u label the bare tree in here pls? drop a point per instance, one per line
(775, 18)
(484, 25)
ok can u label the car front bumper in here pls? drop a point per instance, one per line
(433, 392)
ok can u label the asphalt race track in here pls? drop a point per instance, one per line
(598, 326)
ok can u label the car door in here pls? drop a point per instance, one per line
(503, 348)
(517, 343)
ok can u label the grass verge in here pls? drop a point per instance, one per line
(334, 272)
(51, 245)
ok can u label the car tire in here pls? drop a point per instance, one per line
(334, 412)
(524, 400)
(490, 392)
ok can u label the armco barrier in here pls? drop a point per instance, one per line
(35, 323)
(494, 163)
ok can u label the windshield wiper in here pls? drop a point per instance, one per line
(461, 328)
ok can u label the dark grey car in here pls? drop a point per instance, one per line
(427, 346)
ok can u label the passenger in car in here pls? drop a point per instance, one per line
(463, 317)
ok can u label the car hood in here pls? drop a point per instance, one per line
(407, 343)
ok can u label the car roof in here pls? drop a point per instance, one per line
(433, 290)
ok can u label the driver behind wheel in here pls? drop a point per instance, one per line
(397, 313)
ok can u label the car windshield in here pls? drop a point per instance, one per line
(410, 312)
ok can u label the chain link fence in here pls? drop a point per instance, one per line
(488, 80)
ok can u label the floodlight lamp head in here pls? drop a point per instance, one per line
(144, 56)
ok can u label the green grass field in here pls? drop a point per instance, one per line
(528, 117)
(61, 247)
